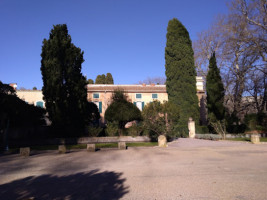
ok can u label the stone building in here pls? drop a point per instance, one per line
(34, 97)
(140, 95)
(100, 94)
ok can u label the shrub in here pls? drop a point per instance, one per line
(255, 121)
(135, 130)
(94, 131)
(202, 130)
(181, 131)
(208, 136)
(112, 129)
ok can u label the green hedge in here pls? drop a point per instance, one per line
(202, 130)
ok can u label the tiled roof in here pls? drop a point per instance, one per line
(127, 88)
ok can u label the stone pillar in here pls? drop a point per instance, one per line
(91, 147)
(162, 141)
(191, 128)
(25, 151)
(62, 149)
(255, 139)
(122, 145)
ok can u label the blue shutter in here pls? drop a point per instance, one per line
(100, 107)
(134, 103)
(40, 104)
(143, 105)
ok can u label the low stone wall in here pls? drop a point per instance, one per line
(82, 140)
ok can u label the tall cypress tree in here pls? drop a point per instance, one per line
(64, 86)
(215, 92)
(109, 79)
(180, 71)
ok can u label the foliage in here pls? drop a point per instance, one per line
(219, 127)
(135, 130)
(121, 111)
(208, 136)
(34, 88)
(215, 92)
(181, 131)
(180, 71)
(6, 89)
(202, 129)
(160, 118)
(94, 131)
(239, 39)
(155, 80)
(90, 81)
(109, 79)
(256, 121)
(104, 79)
(112, 128)
(15, 112)
(64, 86)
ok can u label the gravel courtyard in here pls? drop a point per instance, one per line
(187, 169)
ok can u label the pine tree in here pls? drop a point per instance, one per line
(64, 86)
(109, 79)
(215, 92)
(180, 71)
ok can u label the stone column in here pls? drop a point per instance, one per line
(191, 128)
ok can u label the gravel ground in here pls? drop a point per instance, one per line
(188, 169)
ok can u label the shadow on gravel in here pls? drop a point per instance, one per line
(91, 185)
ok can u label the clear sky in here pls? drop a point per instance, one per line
(124, 37)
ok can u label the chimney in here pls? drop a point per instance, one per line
(144, 85)
(152, 84)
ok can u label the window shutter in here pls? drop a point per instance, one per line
(134, 103)
(100, 107)
(143, 105)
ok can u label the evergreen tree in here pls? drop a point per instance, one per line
(215, 92)
(109, 79)
(64, 86)
(180, 71)
(121, 111)
(100, 79)
(90, 81)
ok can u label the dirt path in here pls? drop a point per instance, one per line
(187, 169)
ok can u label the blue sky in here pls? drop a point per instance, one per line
(124, 37)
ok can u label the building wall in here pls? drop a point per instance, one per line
(31, 96)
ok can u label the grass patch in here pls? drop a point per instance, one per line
(142, 144)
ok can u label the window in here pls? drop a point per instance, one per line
(96, 95)
(154, 96)
(40, 104)
(138, 96)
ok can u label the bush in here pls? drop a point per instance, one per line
(255, 121)
(112, 129)
(202, 130)
(181, 131)
(94, 131)
(208, 136)
(135, 130)
(235, 129)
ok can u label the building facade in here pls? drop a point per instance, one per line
(101, 94)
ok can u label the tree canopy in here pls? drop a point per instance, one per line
(104, 79)
(215, 92)
(121, 111)
(64, 86)
(180, 71)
